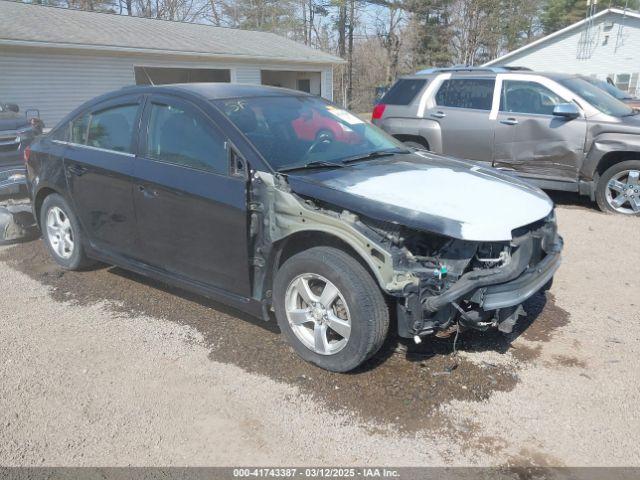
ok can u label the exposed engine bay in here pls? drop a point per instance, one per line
(455, 276)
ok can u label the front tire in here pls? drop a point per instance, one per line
(618, 189)
(330, 309)
(62, 234)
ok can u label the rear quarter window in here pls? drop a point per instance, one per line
(61, 133)
(404, 91)
(79, 129)
(472, 93)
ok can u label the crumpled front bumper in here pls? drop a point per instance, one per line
(527, 284)
(535, 259)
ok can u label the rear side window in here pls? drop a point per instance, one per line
(184, 138)
(79, 129)
(404, 91)
(112, 128)
(474, 93)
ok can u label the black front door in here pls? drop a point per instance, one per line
(98, 162)
(191, 212)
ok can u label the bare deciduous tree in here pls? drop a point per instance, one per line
(379, 39)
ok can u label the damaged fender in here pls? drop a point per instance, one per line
(277, 213)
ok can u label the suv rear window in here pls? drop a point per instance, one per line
(403, 91)
(474, 93)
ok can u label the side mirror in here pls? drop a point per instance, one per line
(566, 110)
(13, 107)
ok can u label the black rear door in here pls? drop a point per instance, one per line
(191, 211)
(98, 163)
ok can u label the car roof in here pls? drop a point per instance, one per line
(213, 90)
(205, 91)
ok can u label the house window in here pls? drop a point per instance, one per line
(634, 85)
(623, 81)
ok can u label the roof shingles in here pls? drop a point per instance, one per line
(37, 24)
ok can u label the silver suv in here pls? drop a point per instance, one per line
(558, 131)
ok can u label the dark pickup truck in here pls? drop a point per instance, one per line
(17, 131)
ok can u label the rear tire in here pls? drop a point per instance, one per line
(357, 308)
(618, 189)
(62, 235)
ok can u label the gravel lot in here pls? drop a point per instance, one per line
(108, 368)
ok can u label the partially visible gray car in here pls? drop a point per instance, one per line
(558, 131)
(17, 131)
(614, 91)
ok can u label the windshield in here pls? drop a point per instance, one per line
(610, 89)
(597, 97)
(292, 132)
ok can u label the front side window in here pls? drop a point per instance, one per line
(473, 93)
(528, 97)
(112, 128)
(184, 138)
(291, 132)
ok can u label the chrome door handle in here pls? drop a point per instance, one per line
(438, 114)
(509, 121)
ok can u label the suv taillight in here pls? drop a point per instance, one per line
(27, 153)
(378, 110)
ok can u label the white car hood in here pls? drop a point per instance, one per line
(432, 193)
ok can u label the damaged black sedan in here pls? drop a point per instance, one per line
(278, 202)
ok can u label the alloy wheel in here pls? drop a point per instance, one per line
(318, 314)
(623, 192)
(60, 232)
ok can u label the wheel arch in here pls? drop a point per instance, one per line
(39, 197)
(302, 240)
(611, 158)
(413, 138)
